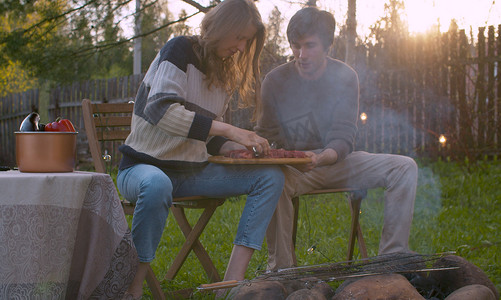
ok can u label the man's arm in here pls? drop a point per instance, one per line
(267, 124)
(343, 130)
(327, 157)
(340, 136)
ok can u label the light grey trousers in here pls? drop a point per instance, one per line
(397, 174)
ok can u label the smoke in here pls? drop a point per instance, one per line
(429, 194)
(404, 116)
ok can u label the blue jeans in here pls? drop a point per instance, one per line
(152, 190)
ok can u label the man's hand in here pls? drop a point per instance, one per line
(326, 157)
(309, 166)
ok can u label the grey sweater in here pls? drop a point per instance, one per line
(310, 115)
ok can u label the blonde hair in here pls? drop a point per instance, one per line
(241, 71)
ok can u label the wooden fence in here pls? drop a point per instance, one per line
(412, 92)
(416, 90)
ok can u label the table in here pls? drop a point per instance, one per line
(63, 236)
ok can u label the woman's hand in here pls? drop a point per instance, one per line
(244, 137)
(230, 146)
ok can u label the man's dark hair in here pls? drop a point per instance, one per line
(310, 21)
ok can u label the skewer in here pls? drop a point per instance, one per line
(219, 285)
(379, 265)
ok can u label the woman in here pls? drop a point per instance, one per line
(177, 123)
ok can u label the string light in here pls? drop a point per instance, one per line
(363, 118)
(442, 140)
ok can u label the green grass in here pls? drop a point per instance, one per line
(457, 209)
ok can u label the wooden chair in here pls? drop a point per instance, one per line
(109, 123)
(355, 197)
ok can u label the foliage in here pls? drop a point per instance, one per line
(63, 40)
(13, 79)
(182, 28)
(153, 17)
(66, 41)
(114, 58)
(391, 26)
(457, 209)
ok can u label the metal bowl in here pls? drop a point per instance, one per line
(46, 152)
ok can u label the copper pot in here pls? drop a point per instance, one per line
(46, 152)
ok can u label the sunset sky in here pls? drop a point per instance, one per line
(421, 14)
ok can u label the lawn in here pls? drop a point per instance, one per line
(457, 209)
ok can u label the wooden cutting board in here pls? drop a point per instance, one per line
(258, 161)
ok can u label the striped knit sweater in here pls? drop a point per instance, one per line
(173, 112)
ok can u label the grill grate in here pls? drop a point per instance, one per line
(382, 264)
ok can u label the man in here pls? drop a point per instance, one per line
(311, 104)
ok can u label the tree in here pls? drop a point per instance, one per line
(70, 40)
(274, 47)
(59, 40)
(153, 17)
(113, 61)
(182, 28)
(13, 79)
(390, 27)
(351, 32)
